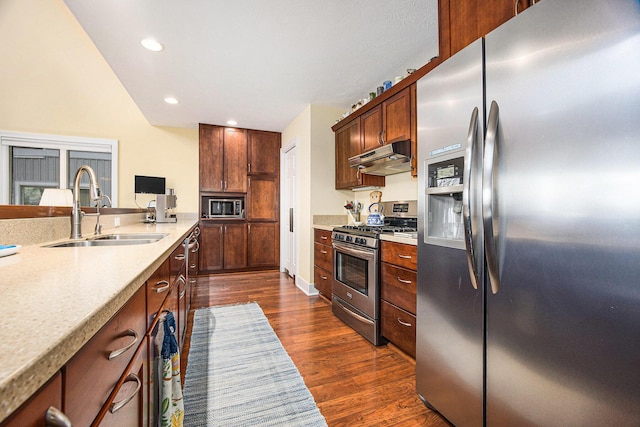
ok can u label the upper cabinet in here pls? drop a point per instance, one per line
(466, 21)
(264, 152)
(349, 144)
(223, 159)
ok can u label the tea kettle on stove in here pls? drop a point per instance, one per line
(375, 217)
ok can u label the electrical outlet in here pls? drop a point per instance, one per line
(116, 221)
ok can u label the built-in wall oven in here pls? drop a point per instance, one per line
(355, 283)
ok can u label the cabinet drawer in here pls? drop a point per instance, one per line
(399, 327)
(323, 280)
(129, 402)
(157, 289)
(323, 256)
(33, 412)
(398, 286)
(400, 254)
(322, 236)
(90, 375)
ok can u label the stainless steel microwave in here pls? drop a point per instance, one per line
(226, 208)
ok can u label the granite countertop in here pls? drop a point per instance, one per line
(387, 237)
(55, 299)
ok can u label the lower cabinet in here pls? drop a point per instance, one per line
(223, 246)
(33, 412)
(322, 261)
(398, 280)
(263, 244)
(238, 246)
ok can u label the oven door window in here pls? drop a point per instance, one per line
(352, 271)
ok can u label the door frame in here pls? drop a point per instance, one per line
(288, 200)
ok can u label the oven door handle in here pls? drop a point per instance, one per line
(350, 250)
(352, 314)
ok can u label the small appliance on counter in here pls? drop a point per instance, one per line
(165, 203)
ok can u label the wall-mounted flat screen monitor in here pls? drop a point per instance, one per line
(150, 184)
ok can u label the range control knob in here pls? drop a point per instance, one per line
(348, 238)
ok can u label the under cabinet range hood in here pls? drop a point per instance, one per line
(386, 160)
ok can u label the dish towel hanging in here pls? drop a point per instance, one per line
(171, 403)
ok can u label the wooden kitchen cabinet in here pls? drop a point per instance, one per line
(264, 152)
(349, 144)
(323, 261)
(91, 375)
(391, 121)
(33, 412)
(223, 246)
(223, 159)
(263, 198)
(263, 245)
(470, 20)
(398, 293)
(128, 405)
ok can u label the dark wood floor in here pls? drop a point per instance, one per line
(353, 382)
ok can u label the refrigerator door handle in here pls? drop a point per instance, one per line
(466, 199)
(490, 152)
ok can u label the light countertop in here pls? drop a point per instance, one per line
(55, 299)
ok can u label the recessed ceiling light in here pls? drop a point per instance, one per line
(171, 100)
(152, 44)
(232, 122)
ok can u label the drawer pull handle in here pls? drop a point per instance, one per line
(181, 279)
(192, 266)
(54, 417)
(182, 293)
(193, 280)
(408, 282)
(130, 333)
(116, 406)
(179, 257)
(165, 286)
(405, 256)
(322, 251)
(324, 237)
(404, 323)
(323, 277)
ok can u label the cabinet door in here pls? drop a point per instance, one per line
(347, 145)
(264, 244)
(211, 155)
(371, 123)
(128, 405)
(323, 281)
(470, 20)
(235, 160)
(263, 198)
(211, 247)
(235, 246)
(396, 115)
(33, 412)
(264, 152)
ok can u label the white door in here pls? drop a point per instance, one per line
(289, 214)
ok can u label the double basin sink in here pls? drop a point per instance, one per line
(120, 239)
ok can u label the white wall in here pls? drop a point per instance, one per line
(55, 81)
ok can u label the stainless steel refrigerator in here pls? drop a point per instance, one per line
(529, 222)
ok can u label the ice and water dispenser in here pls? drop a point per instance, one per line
(443, 193)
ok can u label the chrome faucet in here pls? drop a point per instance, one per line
(76, 212)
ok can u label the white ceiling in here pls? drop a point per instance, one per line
(254, 61)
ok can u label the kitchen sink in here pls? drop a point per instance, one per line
(111, 240)
(131, 236)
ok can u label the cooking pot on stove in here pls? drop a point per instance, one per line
(375, 218)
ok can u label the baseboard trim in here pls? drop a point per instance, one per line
(308, 288)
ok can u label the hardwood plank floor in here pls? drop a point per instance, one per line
(353, 382)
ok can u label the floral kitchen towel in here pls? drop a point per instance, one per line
(171, 403)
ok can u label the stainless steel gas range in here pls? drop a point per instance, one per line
(356, 267)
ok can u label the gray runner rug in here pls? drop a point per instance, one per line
(238, 373)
